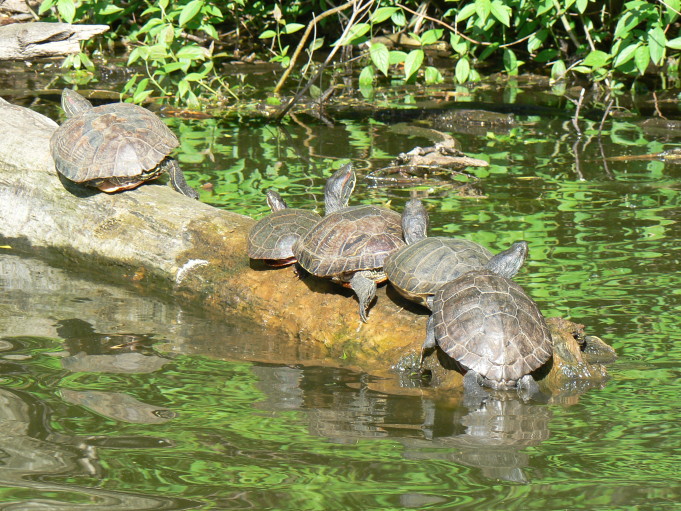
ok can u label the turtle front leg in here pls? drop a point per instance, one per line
(177, 179)
(365, 288)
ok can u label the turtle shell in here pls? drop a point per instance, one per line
(488, 324)
(119, 140)
(272, 238)
(349, 240)
(419, 269)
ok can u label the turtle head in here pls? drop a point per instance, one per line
(509, 262)
(338, 189)
(275, 201)
(414, 221)
(73, 103)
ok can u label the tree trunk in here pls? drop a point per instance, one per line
(26, 41)
(157, 236)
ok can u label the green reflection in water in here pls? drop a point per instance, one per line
(604, 251)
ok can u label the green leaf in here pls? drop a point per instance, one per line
(674, 44)
(459, 44)
(354, 33)
(625, 55)
(581, 5)
(465, 13)
(642, 59)
(537, 39)
(657, 41)
(366, 77)
(546, 55)
(625, 24)
(109, 10)
(399, 19)
(673, 7)
(191, 52)
(189, 11)
(462, 70)
(558, 70)
(291, 28)
(596, 59)
(67, 10)
(483, 9)
(382, 13)
(501, 12)
(172, 66)
(267, 34)
(510, 61)
(397, 57)
(182, 88)
(45, 6)
(380, 56)
(412, 63)
(433, 75)
(431, 36)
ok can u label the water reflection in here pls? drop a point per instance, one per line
(485, 431)
(31, 453)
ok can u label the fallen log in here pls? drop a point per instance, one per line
(26, 41)
(157, 236)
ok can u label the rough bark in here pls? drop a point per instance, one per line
(154, 234)
(26, 41)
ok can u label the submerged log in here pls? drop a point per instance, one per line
(157, 236)
(26, 41)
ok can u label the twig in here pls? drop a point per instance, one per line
(605, 115)
(440, 22)
(356, 11)
(657, 106)
(303, 40)
(575, 119)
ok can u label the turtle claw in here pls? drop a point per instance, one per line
(365, 289)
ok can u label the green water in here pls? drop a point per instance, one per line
(112, 400)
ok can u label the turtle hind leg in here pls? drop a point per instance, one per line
(177, 179)
(430, 341)
(364, 287)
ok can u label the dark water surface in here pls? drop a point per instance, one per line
(111, 398)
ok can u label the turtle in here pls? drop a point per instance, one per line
(272, 238)
(114, 147)
(426, 263)
(350, 244)
(491, 327)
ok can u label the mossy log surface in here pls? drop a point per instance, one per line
(156, 235)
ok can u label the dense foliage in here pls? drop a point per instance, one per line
(177, 46)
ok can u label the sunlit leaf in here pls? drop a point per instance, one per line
(501, 12)
(412, 63)
(366, 77)
(596, 59)
(625, 55)
(380, 56)
(432, 75)
(108, 10)
(67, 10)
(383, 13)
(189, 11)
(191, 52)
(462, 70)
(291, 28)
(656, 42)
(558, 70)
(642, 59)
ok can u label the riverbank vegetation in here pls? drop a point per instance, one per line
(177, 47)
